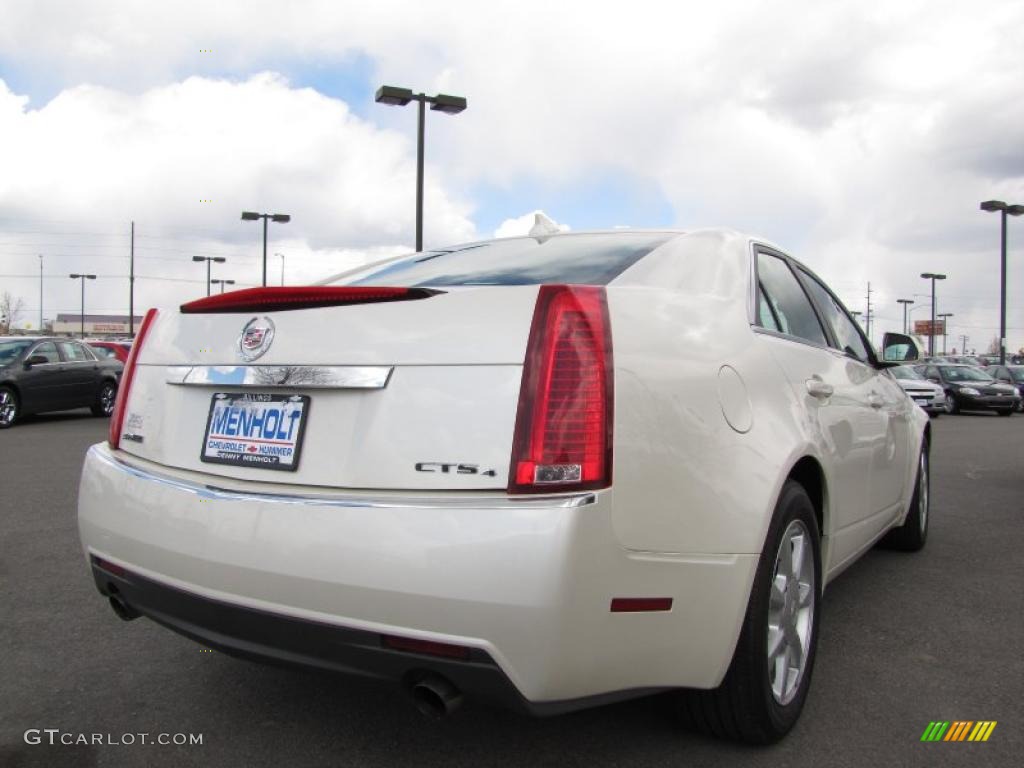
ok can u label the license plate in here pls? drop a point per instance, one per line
(255, 430)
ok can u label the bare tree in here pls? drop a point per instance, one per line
(10, 308)
(993, 346)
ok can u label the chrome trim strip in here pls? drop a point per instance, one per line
(350, 501)
(291, 376)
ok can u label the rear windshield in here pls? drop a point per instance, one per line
(584, 259)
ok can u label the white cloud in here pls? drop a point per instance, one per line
(861, 134)
(523, 224)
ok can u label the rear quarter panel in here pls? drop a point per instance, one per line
(685, 480)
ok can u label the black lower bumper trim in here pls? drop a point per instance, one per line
(272, 638)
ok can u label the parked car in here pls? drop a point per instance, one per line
(931, 397)
(547, 471)
(1010, 374)
(118, 350)
(969, 388)
(39, 374)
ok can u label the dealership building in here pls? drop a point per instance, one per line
(95, 325)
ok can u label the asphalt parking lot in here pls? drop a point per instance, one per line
(906, 639)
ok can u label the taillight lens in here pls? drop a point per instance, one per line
(563, 437)
(301, 297)
(117, 417)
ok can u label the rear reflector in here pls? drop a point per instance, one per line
(563, 436)
(428, 647)
(109, 567)
(641, 604)
(301, 297)
(127, 376)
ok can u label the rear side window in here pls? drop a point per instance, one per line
(846, 332)
(75, 352)
(786, 301)
(584, 259)
(48, 350)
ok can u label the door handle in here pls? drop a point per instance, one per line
(875, 401)
(819, 388)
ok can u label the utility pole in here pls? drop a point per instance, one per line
(905, 303)
(964, 338)
(41, 294)
(867, 317)
(131, 286)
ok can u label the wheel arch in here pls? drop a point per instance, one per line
(808, 472)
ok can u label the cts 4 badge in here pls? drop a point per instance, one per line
(256, 338)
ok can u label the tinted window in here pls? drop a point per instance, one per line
(48, 350)
(74, 352)
(9, 350)
(846, 332)
(765, 316)
(580, 259)
(788, 302)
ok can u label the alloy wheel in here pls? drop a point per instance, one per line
(790, 612)
(922, 492)
(8, 408)
(107, 396)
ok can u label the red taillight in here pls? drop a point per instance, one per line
(640, 604)
(117, 417)
(301, 297)
(563, 437)
(428, 647)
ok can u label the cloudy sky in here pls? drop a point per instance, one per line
(861, 136)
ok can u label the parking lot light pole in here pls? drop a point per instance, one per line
(905, 303)
(450, 105)
(1012, 210)
(933, 276)
(83, 278)
(222, 283)
(208, 260)
(280, 218)
(945, 329)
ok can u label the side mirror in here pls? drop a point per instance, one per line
(898, 347)
(35, 360)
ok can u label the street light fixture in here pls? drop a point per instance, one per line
(906, 303)
(933, 276)
(945, 328)
(449, 105)
(83, 278)
(1012, 210)
(280, 218)
(222, 283)
(208, 259)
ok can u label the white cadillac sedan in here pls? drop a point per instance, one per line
(548, 472)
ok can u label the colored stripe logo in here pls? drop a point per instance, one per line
(959, 730)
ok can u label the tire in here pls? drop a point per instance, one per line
(952, 406)
(10, 407)
(1005, 412)
(753, 705)
(104, 405)
(912, 535)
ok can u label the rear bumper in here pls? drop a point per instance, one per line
(272, 638)
(317, 580)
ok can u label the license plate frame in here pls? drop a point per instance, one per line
(235, 450)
